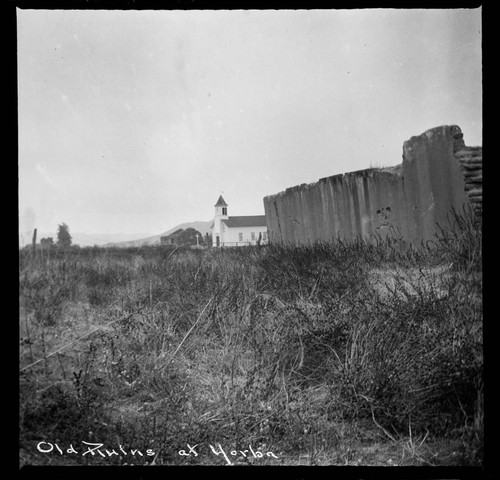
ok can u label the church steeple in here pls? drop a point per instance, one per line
(221, 207)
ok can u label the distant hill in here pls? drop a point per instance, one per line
(84, 239)
(202, 227)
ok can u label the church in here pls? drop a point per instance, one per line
(237, 231)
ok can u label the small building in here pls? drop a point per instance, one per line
(172, 239)
(237, 231)
(183, 237)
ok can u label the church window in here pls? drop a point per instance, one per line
(224, 210)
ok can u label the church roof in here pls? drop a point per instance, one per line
(221, 202)
(246, 221)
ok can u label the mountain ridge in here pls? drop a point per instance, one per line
(202, 227)
(83, 239)
(121, 240)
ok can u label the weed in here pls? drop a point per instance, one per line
(309, 351)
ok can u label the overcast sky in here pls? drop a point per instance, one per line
(136, 121)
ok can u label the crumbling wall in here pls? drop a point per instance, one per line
(438, 172)
(471, 163)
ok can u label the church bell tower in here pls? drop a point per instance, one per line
(220, 214)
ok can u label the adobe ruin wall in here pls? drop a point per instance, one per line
(438, 173)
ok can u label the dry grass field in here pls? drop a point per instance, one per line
(344, 354)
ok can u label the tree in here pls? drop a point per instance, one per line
(208, 240)
(47, 242)
(63, 236)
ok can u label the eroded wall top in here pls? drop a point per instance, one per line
(438, 173)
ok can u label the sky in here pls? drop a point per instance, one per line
(136, 121)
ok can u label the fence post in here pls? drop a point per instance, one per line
(34, 242)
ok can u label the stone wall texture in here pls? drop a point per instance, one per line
(438, 173)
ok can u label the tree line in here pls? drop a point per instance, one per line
(64, 239)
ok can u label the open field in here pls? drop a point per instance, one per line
(346, 354)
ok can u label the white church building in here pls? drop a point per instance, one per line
(237, 231)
